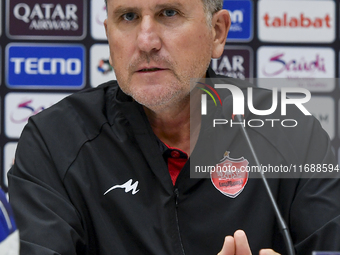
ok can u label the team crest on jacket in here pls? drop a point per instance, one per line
(230, 175)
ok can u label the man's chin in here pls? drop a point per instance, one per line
(156, 102)
(153, 102)
(156, 96)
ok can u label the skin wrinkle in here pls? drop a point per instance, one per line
(159, 41)
(155, 53)
(210, 7)
(143, 99)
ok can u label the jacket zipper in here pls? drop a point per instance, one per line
(179, 233)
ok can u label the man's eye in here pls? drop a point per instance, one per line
(129, 16)
(169, 13)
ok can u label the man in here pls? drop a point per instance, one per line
(106, 171)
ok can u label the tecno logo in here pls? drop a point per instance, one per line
(45, 66)
(292, 21)
(46, 18)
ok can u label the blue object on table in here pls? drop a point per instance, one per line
(9, 235)
(326, 253)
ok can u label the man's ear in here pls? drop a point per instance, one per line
(220, 25)
(108, 38)
(105, 25)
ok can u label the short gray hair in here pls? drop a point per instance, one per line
(210, 7)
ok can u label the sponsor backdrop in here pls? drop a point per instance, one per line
(52, 48)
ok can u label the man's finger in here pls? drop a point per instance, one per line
(268, 252)
(241, 243)
(228, 246)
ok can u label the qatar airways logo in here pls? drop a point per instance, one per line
(238, 99)
(296, 21)
(236, 61)
(46, 19)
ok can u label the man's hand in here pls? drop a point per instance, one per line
(238, 245)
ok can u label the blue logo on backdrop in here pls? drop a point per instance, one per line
(45, 66)
(241, 14)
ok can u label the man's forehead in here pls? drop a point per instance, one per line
(151, 4)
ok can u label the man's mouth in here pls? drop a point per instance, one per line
(150, 70)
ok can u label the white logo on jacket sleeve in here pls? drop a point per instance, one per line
(128, 186)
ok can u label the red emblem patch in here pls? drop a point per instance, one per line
(230, 175)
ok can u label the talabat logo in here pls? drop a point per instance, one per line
(241, 14)
(51, 19)
(45, 66)
(306, 65)
(296, 21)
(235, 62)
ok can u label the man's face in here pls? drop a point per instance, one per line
(157, 46)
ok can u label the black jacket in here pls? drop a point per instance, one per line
(72, 153)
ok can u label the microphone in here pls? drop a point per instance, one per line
(282, 223)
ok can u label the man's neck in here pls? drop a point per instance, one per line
(172, 125)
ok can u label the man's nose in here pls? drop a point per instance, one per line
(148, 39)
